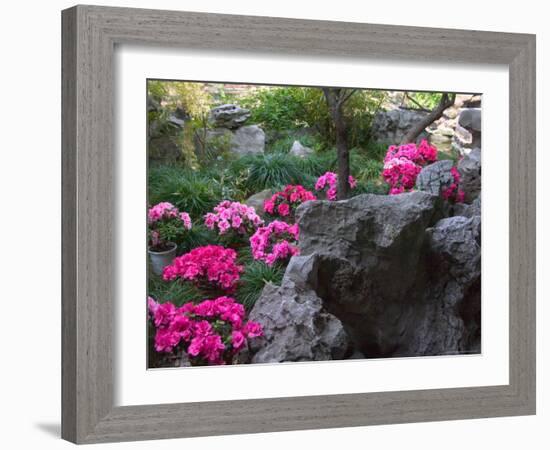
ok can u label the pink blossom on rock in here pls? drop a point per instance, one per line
(238, 340)
(403, 163)
(253, 330)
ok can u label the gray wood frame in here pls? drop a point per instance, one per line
(89, 36)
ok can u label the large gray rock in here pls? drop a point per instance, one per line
(296, 326)
(470, 119)
(257, 200)
(229, 116)
(391, 126)
(435, 177)
(245, 140)
(300, 150)
(402, 280)
(469, 168)
(468, 210)
(248, 140)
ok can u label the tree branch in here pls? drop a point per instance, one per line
(446, 101)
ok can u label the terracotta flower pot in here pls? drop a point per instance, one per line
(161, 259)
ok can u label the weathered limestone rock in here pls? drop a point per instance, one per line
(401, 279)
(468, 210)
(229, 116)
(296, 326)
(469, 168)
(245, 140)
(391, 126)
(435, 177)
(248, 140)
(470, 119)
(300, 150)
(257, 200)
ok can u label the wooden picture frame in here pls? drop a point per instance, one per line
(90, 34)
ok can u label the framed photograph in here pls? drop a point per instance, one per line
(278, 224)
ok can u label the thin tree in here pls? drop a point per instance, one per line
(447, 100)
(336, 99)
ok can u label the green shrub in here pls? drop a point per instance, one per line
(371, 187)
(253, 280)
(176, 292)
(259, 172)
(286, 108)
(190, 191)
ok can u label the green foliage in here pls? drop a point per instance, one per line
(271, 170)
(197, 236)
(189, 190)
(177, 292)
(291, 108)
(453, 155)
(169, 230)
(283, 143)
(253, 280)
(422, 100)
(157, 89)
(286, 108)
(360, 110)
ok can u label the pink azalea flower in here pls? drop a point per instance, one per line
(330, 180)
(211, 264)
(283, 209)
(234, 216)
(276, 241)
(238, 340)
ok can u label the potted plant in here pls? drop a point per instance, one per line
(166, 226)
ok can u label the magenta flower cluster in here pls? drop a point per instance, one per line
(285, 202)
(403, 163)
(453, 193)
(213, 331)
(233, 216)
(276, 241)
(329, 181)
(165, 210)
(206, 266)
(166, 222)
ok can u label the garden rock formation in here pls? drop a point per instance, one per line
(470, 119)
(391, 126)
(300, 150)
(435, 177)
(229, 116)
(231, 132)
(400, 277)
(469, 168)
(296, 325)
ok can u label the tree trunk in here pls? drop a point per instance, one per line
(335, 99)
(446, 101)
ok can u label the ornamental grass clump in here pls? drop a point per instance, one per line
(403, 163)
(166, 224)
(275, 242)
(212, 332)
(328, 182)
(284, 203)
(233, 217)
(208, 268)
